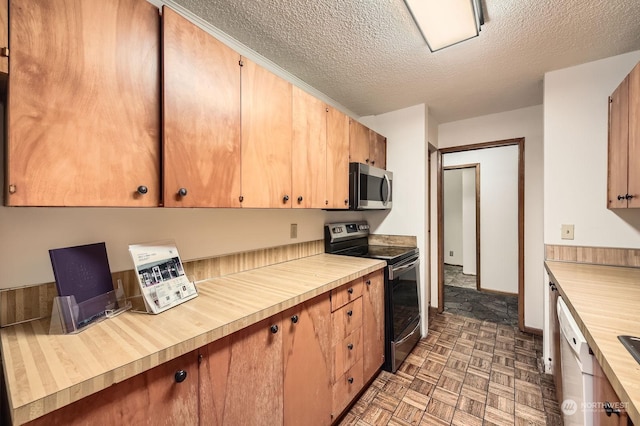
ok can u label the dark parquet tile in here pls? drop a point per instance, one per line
(467, 372)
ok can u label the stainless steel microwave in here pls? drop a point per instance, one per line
(370, 188)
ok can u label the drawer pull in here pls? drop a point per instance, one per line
(608, 408)
(294, 319)
(180, 376)
(350, 380)
(350, 346)
(182, 192)
(350, 291)
(274, 329)
(368, 282)
(350, 313)
(142, 190)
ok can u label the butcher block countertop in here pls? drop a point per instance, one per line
(605, 302)
(45, 372)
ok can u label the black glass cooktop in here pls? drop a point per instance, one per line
(389, 253)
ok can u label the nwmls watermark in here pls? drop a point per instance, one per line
(570, 407)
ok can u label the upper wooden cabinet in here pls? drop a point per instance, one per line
(623, 183)
(4, 36)
(309, 151)
(83, 104)
(366, 146)
(266, 138)
(377, 150)
(201, 117)
(337, 159)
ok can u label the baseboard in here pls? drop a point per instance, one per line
(531, 330)
(502, 293)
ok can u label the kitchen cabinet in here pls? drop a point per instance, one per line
(366, 146)
(612, 411)
(337, 159)
(266, 109)
(83, 112)
(201, 117)
(162, 395)
(377, 150)
(242, 376)
(309, 151)
(554, 341)
(373, 323)
(4, 37)
(307, 363)
(623, 183)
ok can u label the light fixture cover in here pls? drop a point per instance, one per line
(446, 22)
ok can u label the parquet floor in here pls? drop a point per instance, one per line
(465, 372)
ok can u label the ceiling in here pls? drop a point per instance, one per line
(369, 56)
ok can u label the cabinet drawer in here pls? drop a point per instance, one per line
(345, 321)
(347, 353)
(342, 295)
(346, 388)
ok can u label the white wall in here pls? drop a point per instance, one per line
(575, 159)
(469, 221)
(498, 214)
(452, 184)
(407, 159)
(527, 123)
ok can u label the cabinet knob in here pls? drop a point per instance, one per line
(142, 189)
(350, 380)
(350, 313)
(180, 376)
(373, 162)
(621, 197)
(294, 319)
(241, 198)
(182, 192)
(274, 329)
(350, 291)
(368, 282)
(367, 161)
(350, 346)
(285, 199)
(609, 409)
(346, 201)
(299, 199)
(628, 197)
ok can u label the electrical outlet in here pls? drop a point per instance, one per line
(451, 253)
(567, 232)
(294, 230)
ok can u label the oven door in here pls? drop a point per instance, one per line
(370, 188)
(404, 309)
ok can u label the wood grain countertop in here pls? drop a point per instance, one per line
(45, 372)
(605, 302)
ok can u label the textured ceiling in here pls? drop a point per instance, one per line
(368, 55)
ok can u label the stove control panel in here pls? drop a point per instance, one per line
(346, 231)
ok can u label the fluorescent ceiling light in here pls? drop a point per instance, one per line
(446, 22)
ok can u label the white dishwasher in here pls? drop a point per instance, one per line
(577, 371)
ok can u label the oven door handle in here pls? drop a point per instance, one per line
(408, 336)
(388, 182)
(397, 271)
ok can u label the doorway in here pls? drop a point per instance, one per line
(507, 283)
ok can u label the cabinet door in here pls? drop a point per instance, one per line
(604, 393)
(201, 117)
(377, 150)
(309, 151)
(358, 142)
(241, 377)
(84, 103)
(554, 332)
(266, 138)
(337, 159)
(4, 35)
(634, 137)
(373, 323)
(307, 363)
(618, 146)
(155, 397)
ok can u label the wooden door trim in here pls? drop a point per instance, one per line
(494, 144)
(475, 166)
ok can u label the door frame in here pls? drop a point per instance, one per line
(475, 166)
(440, 204)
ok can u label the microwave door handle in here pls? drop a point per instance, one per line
(388, 182)
(394, 271)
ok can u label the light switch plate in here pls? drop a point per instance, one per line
(567, 232)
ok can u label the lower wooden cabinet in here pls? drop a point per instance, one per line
(609, 411)
(373, 323)
(163, 395)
